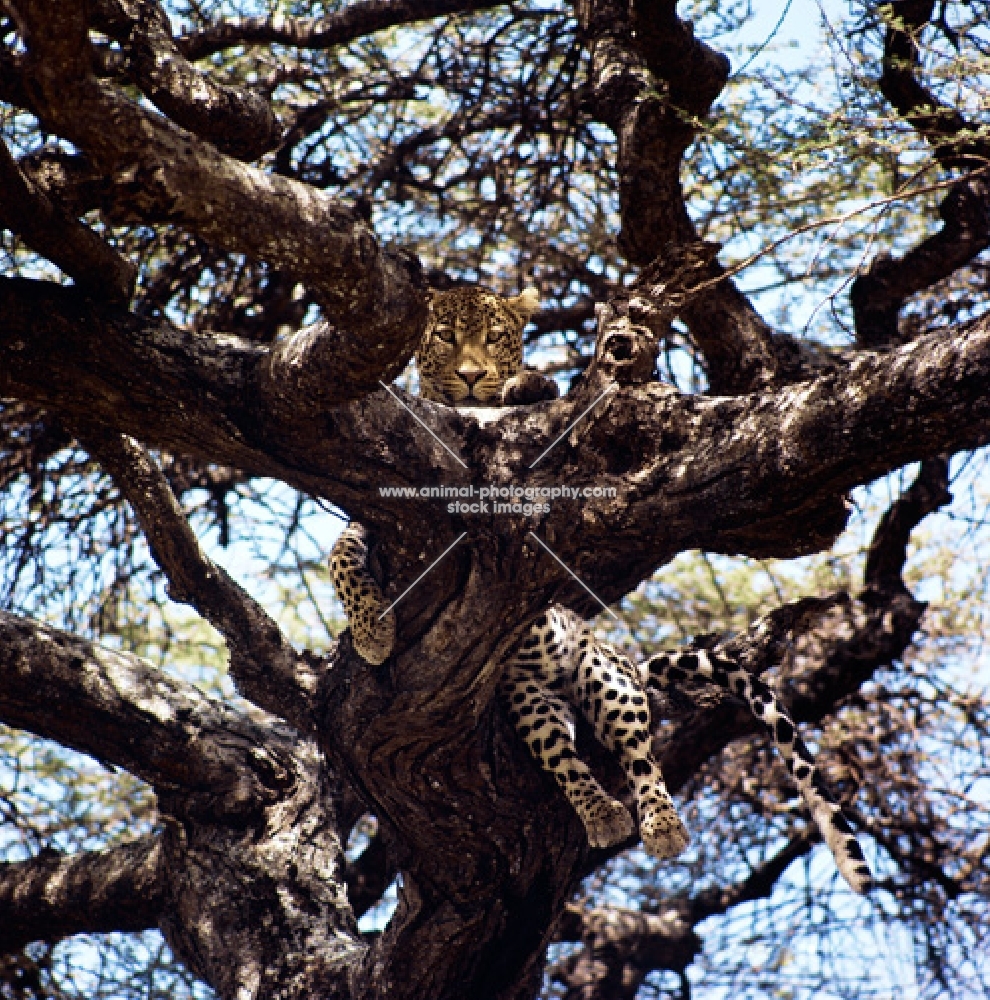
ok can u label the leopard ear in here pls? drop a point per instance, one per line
(526, 303)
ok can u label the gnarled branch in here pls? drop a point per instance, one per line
(262, 660)
(122, 711)
(236, 120)
(375, 297)
(53, 896)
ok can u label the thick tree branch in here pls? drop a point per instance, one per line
(854, 637)
(122, 711)
(622, 947)
(695, 72)
(69, 180)
(236, 120)
(375, 297)
(827, 661)
(53, 896)
(651, 131)
(342, 26)
(12, 89)
(268, 670)
(651, 78)
(108, 355)
(76, 249)
(719, 456)
(741, 351)
(250, 853)
(762, 475)
(260, 909)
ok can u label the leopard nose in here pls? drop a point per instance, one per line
(471, 376)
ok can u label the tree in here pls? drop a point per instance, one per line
(248, 207)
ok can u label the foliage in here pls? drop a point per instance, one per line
(469, 140)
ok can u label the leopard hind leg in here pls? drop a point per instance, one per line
(674, 670)
(372, 622)
(545, 722)
(608, 690)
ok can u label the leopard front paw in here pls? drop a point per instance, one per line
(374, 637)
(528, 387)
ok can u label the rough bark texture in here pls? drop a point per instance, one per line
(51, 896)
(247, 877)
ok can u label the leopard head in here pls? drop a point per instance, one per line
(473, 345)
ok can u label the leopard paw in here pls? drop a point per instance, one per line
(663, 833)
(609, 823)
(528, 387)
(373, 637)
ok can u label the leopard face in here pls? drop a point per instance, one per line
(473, 345)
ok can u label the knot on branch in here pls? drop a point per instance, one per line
(627, 352)
(620, 81)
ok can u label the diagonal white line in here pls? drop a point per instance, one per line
(427, 429)
(576, 577)
(573, 422)
(425, 571)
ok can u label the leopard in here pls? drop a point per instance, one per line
(471, 355)
(561, 669)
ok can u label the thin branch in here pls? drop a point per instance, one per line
(738, 345)
(354, 21)
(77, 250)
(888, 549)
(759, 884)
(268, 669)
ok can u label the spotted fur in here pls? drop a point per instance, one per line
(560, 667)
(472, 354)
(473, 345)
(371, 619)
(668, 671)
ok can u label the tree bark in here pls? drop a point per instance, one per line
(247, 876)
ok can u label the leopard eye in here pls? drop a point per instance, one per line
(495, 334)
(444, 332)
